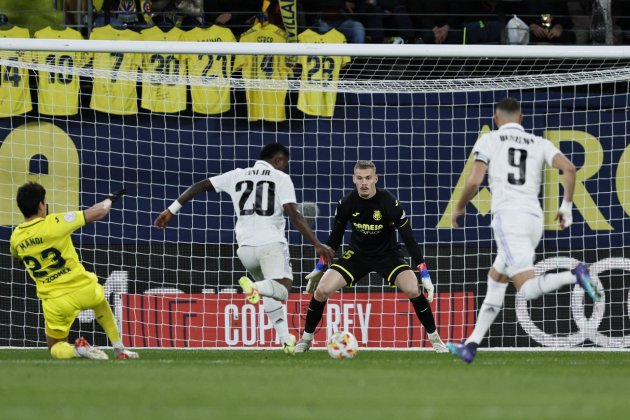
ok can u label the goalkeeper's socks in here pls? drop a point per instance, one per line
(539, 285)
(424, 313)
(272, 289)
(314, 315)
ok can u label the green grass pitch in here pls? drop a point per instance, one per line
(181, 384)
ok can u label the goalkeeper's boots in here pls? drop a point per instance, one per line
(83, 349)
(122, 354)
(250, 290)
(303, 345)
(584, 280)
(461, 350)
(289, 346)
(437, 343)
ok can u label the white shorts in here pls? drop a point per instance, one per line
(517, 235)
(266, 262)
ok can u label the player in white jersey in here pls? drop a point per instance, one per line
(515, 161)
(260, 195)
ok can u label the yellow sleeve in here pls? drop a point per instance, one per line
(63, 224)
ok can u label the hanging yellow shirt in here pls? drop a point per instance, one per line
(320, 71)
(265, 104)
(164, 75)
(115, 95)
(59, 91)
(15, 95)
(214, 70)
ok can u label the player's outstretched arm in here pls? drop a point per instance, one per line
(99, 210)
(165, 217)
(298, 221)
(477, 173)
(564, 214)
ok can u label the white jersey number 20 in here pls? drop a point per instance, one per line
(257, 206)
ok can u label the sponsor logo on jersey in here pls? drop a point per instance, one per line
(356, 214)
(366, 227)
(377, 215)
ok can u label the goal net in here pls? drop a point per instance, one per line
(85, 118)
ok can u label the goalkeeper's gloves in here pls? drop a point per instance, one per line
(565, 213)
(315, 276)
(426, 280)
(116, 195)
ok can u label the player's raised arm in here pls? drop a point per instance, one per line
(99, 210)
(165, 217)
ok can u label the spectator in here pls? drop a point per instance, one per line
(239, 16)
(330, 14)
(478, 22)
(621, 19)
(430, 18)
(580, 13)
(393, 13)
(548, 22)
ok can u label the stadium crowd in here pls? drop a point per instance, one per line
(367, 21)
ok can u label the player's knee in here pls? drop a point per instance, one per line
(321, 294)
(62, 350)
(412, 294)
(287, 283)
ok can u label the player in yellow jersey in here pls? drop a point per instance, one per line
(42, 243)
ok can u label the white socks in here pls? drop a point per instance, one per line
(275, 311)
(490, 308)
(539, 285)
(272, 289)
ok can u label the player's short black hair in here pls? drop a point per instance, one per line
(272, 149)
(28, 198)
(509, 105)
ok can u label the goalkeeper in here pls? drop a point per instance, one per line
(42, 242)
(374, 215)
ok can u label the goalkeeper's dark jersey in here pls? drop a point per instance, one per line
(374, 222)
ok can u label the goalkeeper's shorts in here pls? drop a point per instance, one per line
(60, 312)
(354, 266)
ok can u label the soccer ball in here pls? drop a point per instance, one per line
(342, 345)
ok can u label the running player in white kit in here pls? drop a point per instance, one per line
(515, 161)
(260, 194)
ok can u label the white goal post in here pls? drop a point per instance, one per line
(415, 110)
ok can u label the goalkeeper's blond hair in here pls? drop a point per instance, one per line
(364, 164)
